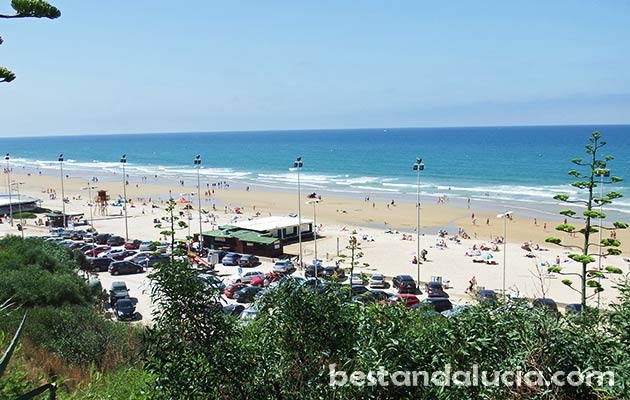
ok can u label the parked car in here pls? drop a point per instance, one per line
(102, 238)
(334, 270)
(248, 276)
(283, 266)
(233, 288)
(311, 270)
(100, 264)
(408, 299)
(147, 246)
(93, 252)
(133, 244)
(435, 289)
(437, 304)
(230, 259)
(373, 296)
(123, 254)
(212, 281)
(405, 284)
(125, 310)
(546, 304)
(377, 281)
(116, 241)
(233, 309)
(249, 314)
(357, 278)
(573, 309)
(118, 290)
(359, 290)
(487, 295)
(138, 256)
(154, 258)
(248, 260)
(125, 267)
(247, 294)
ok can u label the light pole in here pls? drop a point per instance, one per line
(123, 161)
(7, 158)
(418, 166)
(89, 188)
(314, 202)
(298, 165)
(21, 224)
(505, 217)
(197, 162)
(63, 197)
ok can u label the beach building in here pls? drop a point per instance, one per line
(16, 203)
(260, 236)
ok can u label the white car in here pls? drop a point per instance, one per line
(378, 281)
(357, 279)
(246, 277)
(139, 256)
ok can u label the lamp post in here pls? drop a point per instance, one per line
(89, 189)
(314, 202)
(505, 217)
(298, 165)
(7, 158)
(21, 224)
(63, 197)
(418, 166)
(197, 162)
(123, 161)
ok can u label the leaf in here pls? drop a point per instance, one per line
(6, 75)
(9, 352)
(35, 9)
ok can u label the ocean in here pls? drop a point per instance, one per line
(515, 168)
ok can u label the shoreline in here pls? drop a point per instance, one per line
(339, 218)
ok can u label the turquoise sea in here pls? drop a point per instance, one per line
(516, 168)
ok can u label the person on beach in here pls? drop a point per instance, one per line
(471, 285)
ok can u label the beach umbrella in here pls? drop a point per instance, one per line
(487, 256)
(182, 200)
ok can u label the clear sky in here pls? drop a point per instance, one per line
(200, 65)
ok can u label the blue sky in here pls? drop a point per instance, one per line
(156, 66)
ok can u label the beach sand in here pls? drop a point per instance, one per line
(340, 218)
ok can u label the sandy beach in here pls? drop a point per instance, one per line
(371, 221)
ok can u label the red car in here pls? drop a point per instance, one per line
(97, 250)
(133, 244)
(407, 299)
(233, 288)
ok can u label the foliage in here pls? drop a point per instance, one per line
(64, 336)
(302, 331)
(27, 9)
(597, 174)
(36, 272)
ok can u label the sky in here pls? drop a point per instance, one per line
(147, 66)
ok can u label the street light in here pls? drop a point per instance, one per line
(313, 202)
(21, 224)
(505, 217)
(89, 188)
(298, 165)
(418, 166)
(9, 187)
(123, 161)
(63, 197)
(197, 162)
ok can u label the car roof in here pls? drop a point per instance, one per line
(405, 277)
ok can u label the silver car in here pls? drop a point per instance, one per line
(378, 281)
(283, 266)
